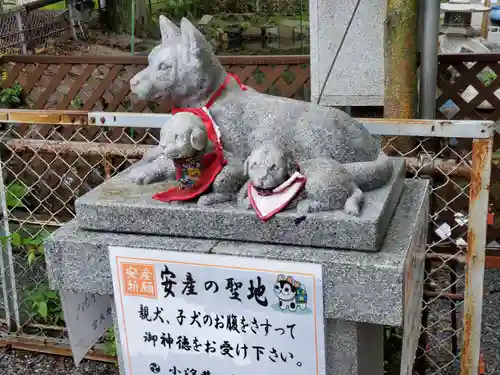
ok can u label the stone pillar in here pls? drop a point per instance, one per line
(354, 348)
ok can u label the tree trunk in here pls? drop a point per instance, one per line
(486, 20)
(118, 13)
(400, 93)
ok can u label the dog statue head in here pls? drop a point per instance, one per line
(182, 70)
(183, 136)
(269, 165)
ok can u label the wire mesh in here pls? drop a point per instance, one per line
(46, 167)
(442, 324)
(35, 29)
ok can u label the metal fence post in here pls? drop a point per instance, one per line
(7, 272)
(20, 29)
(475, 261)
(72, 19)
(429, 60)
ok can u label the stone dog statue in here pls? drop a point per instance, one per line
(330, 185)
(184, 71)
(184, 136)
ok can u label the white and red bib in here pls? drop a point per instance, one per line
(266, 205)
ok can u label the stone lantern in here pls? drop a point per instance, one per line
(457, 32)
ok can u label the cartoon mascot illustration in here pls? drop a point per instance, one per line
(291, 293)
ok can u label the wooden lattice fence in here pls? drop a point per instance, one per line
(466, 82)
(102, 83)
(469, 88)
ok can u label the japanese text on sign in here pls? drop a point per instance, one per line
(200, 314)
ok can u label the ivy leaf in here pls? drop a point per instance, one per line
(52, 294)
(31, 257)
(42, 309)
(60, 317)
(35, 241)
(14, 194)
(15, 239)
(4, 240)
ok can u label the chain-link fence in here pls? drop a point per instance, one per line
(23, 30)
(46, 166)
(453, 172)
(56, 161)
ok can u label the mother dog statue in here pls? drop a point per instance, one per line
(184, 71)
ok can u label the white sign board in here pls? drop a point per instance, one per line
(88, 317)
(201, 314)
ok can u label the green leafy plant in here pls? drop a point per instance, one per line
(34, 246)
(45, 305)
(245, 25)
(393, 345)
(14, 194)
(11, 97)
(77, 103)
(488, 78)
(177, 9)
(110, 342)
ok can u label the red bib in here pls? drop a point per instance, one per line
(195, 175)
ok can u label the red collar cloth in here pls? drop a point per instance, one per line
(195, 175)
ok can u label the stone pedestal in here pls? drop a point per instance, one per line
(120, 206)
(362, 291)
(354, 348)
(357, 78)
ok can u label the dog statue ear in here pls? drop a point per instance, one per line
(199, 138)
(168, 29)
(192, 39)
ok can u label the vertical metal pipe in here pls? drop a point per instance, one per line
(476, 255)
(72, 19)
(454, 308)
(429, 59)
(20, 30)
(7, 273)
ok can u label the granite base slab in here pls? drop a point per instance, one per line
(118, 205)
(358, 286)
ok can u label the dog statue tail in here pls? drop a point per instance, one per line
(371, 175)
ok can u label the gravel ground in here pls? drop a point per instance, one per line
(490, 337)
(13, 362)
